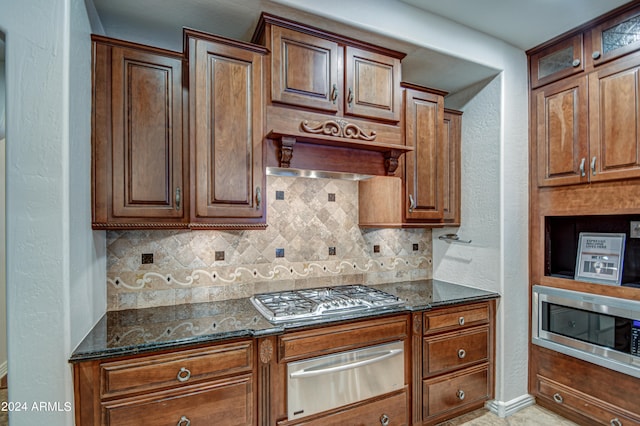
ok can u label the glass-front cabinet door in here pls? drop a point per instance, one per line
(616, 37)
(557, 61)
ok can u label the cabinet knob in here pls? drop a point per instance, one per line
(184, 421)
(334, 93)
(178, 198)
(461, 320)
(558, 398)
(350, 97)
(615, 422)
(576, 63)
(595, 55)
(460, 394)
(462, 353)
(183, 375)
(593, 165)
(582, 166)
(384, 420)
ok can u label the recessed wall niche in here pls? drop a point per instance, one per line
(561, 244)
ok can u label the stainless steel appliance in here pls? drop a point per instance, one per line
(599, 329)
(310, 304)
(330, 381)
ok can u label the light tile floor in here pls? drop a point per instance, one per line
(533, 415)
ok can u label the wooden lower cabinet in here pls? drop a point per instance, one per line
(225, 402)
(391, 410)
(207, 385)
(453, 361)
(583, 392)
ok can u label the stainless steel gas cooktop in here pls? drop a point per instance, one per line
(314, 303)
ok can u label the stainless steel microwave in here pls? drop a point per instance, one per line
(599, 329)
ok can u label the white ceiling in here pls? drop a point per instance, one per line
(521, 23)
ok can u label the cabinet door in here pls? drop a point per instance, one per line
(561, 132)
(616, 37)
(138, 144)
(372, 85)
(614, 109)
(304, 70)
(226, 131)
(424, 174)
(558, 61)
(452, 167)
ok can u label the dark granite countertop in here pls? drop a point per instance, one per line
(145, 330)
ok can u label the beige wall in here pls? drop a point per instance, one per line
(305, 224)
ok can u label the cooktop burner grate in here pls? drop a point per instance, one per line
(309, 304)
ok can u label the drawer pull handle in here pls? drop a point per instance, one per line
(462, 353)
(558, 398)
(460, 394)
(184, 375)
(461, 320)
(184, 421)
(384, 420)
(615, 422)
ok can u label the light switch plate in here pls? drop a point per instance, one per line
(634, 231)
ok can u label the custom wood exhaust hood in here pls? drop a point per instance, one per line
(334, 103)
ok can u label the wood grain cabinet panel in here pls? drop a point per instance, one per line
(452, 352)
(561, 132)
(305, 70)
(373, 85)
(226, 130)
(452, 135)
(424, 167)
(138, 150)
(225, 403)
(614, 120)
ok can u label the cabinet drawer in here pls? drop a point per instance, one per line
(224, 403)
(322, 341)
(584, 404)
(454, 318)
(395, 408)
(455, 391)
(181, 368)
(448, 352)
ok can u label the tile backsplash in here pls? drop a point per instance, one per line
(312, 223)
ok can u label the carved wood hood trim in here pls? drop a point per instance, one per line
(336, 133)
(339, 128)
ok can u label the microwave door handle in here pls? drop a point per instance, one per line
(317, 372)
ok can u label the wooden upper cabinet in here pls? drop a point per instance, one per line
(560, 118)
(372, 82)
(452, 136)
(330, 73)
(614, 120)
(226, 130)
(557, 61)
(616, 37)
(138, 149)
(424, 167)
(305, 70)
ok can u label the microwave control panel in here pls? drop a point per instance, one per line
(635, 338)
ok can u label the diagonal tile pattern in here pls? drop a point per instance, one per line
(305, 224)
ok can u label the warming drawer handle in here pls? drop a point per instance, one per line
(311, 372)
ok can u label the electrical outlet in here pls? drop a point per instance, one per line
(634, 232)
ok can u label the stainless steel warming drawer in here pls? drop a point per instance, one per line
(330, 381)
